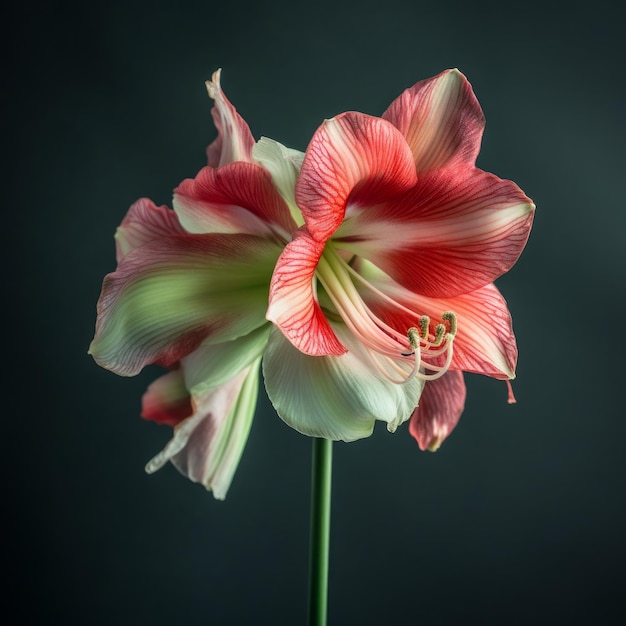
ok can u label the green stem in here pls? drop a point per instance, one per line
(321, 473)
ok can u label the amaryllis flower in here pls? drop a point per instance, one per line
(190, 293)
(391, 271)
(375, 251)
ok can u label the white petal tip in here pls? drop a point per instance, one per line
(156, 463)
(213, 86)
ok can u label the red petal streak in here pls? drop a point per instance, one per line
(234, 140)
(144, 222)
(352, 159)
(239, 197)
(441, 120)
(292, 303)
(449, 235)
(439, 410)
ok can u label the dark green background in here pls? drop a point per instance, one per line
(518, 519)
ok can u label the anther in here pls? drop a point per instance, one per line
(440, 331)
(424, 325)
(450, 317)
(414, 339)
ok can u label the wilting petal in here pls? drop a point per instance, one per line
(484, 343)
(236, 198)
(167, 400)
(207, 446)
(144, 222)
(439, 410)
(352, 159)
(441, 121)
(449, 235)
(293, 306)
(335, 397)
(169, 295)
(284, 165)
(234, 140)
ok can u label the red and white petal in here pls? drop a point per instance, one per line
(449, 235)
(236, 198)
(166, 297)
(293, 305)
(484, 342)
(334, 397)
(234, 140)
(352, 159)
(207, 446)
(439, 410)
(144, 222)
(441, 121)
(167, 400)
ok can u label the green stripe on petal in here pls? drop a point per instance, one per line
(334, 397)
(168, 296)
(213, 364)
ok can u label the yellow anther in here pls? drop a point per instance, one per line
(450, 317)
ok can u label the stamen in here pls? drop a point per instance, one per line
(414, 340)
(440, 331)
(383, 343)
(450, 317)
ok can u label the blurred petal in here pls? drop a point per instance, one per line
(293, 306)
(236, 198)
(234, 140)
(352, 159)
(441, 121)
(439, 410)
(207, 446)
(335, 397)
(449, 235)
(167, 400)
(144, 222)
(169, 295)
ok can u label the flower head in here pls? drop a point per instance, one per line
(359, 273)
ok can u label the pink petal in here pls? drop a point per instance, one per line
(144, 222)
(439, 410)
(352, 159)
(167, 400)
(449, 235)
(441, 121)
(168, 295)
(236, 198)
(206, 447)
(234, 140)
(293, 306)
(484, 343)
